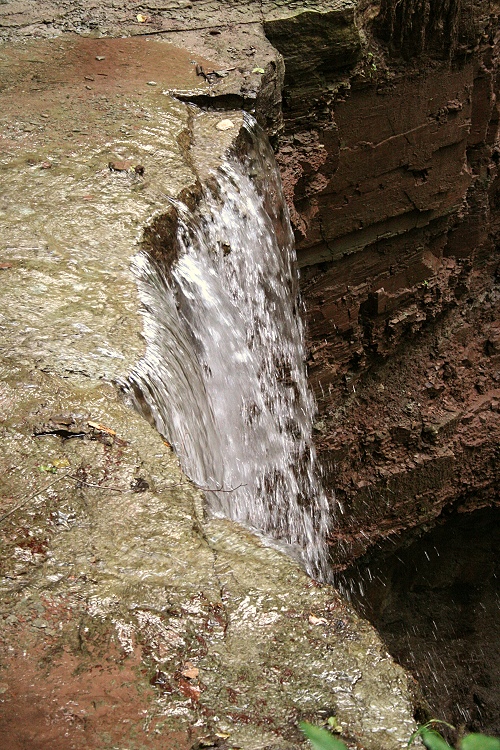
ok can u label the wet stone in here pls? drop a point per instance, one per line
(134, 581)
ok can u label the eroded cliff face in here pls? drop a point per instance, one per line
(390, 162)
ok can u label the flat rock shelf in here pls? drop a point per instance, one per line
(128, 618)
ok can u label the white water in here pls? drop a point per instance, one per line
(224, 373)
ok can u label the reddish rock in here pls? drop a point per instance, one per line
(392, 180)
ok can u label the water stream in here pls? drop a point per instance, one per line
(224, 374)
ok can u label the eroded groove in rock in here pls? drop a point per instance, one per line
(224, 374)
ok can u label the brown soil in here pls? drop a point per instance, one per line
(73, 688)
(76, 62)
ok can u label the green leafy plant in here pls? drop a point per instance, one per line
(321, 739)
(371, 61)
(433, 740)
(334, 724)
(479, 742)
(48, 468)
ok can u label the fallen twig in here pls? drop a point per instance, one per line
(218, 489)
(67, 475)
(168, 487)
(99, 486)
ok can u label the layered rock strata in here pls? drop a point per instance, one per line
(391, 171)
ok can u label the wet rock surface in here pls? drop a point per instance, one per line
(128, 617)
(244, 70)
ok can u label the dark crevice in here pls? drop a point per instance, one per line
(435, 602)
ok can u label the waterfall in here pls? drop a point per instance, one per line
(224, 375)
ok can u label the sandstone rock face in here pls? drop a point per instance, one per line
(391, 172)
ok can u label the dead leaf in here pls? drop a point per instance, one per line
(258, 70)
(189, 690)
(61, 463)
(101, 428)
(5, 265)
(191, 673)
(317, 620)
(120, 166)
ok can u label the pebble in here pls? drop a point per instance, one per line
(152, 83)
(225, 125)
(39, 623)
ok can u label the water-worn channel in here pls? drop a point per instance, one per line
(224, 374)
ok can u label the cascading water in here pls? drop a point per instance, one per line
(224, 374)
